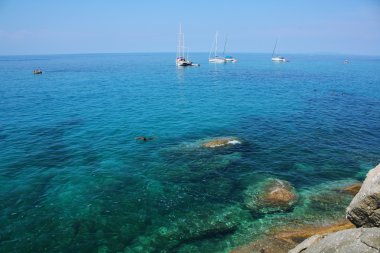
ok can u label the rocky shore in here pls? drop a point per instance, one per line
(364, 213)
(285, 238)
(360, 232)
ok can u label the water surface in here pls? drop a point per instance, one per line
(73, 179)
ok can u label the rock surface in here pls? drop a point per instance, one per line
(284, 239)
(265, 245)
(363, 240)
(221, 142)
(364, 209)
(272, 195)
(300, 234)
(352, 189)
(306, 244)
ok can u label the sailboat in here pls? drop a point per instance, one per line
(215, 58)
(277, 58)
(181, 60)
(228, 58)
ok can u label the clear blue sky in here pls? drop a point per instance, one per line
(117, 26)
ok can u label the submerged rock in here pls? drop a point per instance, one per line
(299, 234)
(265, 245)
(364, 240)
(103, 249)
(191, 227)
(284, 239)
(326, 200)
(352, 189)
(364, 209)
(272, 195)
(221, 142)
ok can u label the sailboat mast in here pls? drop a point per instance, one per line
(212, 48)
(274, 49)
(183, 45)
(224, 50)
(179, 41)
(216, 44)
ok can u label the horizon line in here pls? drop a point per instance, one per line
(197, 52)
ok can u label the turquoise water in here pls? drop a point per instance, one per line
(73, 179)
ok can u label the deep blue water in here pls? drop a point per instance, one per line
(74, 179)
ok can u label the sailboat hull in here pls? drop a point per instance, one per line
(278, 59)
(217, 60)
(184, 63)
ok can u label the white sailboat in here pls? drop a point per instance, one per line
(228, 58)
(215, 58)
(181, 59)
(277, 58)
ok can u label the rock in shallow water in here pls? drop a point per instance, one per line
(272, 195)
(285, 238)
(297, 235)
(265, 245)
(363, 240)
(352, 189)
(221, 142)
(325, 200)
(364, 210)
(191, 227)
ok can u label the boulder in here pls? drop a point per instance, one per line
(364, 209)
(221, 142)
(363, 240)
(272, 195)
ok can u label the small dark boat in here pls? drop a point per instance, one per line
(37, 71)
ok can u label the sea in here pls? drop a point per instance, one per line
(74, 178)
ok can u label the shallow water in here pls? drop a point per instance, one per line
(73, 179)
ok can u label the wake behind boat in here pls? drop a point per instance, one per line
(181, 60)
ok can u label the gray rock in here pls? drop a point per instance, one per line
(306, 244)
(358, 240)
(364, 210)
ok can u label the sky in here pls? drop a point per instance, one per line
(124, 26)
